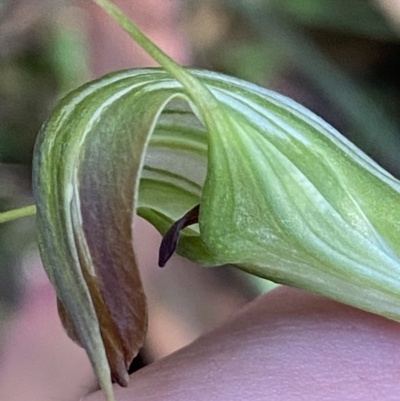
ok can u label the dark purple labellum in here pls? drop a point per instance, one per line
(171, 238)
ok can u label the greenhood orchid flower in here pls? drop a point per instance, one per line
(263, 184)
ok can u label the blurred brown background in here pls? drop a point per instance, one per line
(340, 58)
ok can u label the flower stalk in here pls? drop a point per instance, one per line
(17, 213)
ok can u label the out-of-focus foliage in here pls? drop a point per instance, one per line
(356, 17)
(37, 65)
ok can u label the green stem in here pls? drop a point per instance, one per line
(199, 93)
(155, 52)
(17, 213)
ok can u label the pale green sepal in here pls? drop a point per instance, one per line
(289, 199)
